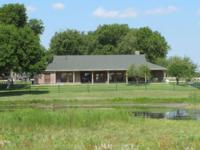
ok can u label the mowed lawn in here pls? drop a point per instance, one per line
(99, 92)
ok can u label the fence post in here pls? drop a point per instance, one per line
(174, 86)
(30, 89)
(145, 85)
(88, 87)
(58, 88)
(116, 87)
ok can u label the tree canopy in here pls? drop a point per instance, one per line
(36, 25)
(111, 39)
(20, 48)
(69, 42)
(181, 68)
(13, 14)
(151, 43)
(8, 47)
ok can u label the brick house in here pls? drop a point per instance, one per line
(95, 69)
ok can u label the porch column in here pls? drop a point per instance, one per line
(126, 73)
(74, 77)
(92, 77)
(108, 77)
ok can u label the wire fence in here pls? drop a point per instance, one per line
(100, 87)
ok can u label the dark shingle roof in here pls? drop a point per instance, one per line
(98, 62)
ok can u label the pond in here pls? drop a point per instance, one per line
(179, 114)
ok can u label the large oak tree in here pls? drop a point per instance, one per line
(20, 48)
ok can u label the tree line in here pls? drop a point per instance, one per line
(110, 40)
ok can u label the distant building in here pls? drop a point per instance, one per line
(95, 69)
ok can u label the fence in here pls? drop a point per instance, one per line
(59, 88)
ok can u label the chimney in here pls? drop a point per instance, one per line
(137, 52)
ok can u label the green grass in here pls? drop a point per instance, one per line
(95, 128)
(99, 92)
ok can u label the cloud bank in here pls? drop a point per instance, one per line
(103, 13)
(162, 11)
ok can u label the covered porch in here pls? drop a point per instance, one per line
(91, 77)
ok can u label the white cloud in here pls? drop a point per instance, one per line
(103, 13)
(162, 11)
(58, 6)
(31, 8)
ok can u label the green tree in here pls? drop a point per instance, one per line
(69, 42)
(30, 53)
(106, 38)
(162, 61)
(144, 72)
(151, 43)
(181, 68)
(110, 39)
(8, 47)
(36, 25)
(20, 51)
(20, 48)
(111, 34)
(139, 71)
(128, 43)
(13, 14)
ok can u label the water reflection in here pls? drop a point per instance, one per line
(174, 115)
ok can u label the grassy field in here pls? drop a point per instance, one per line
(94, 129)
(31, 117)
(98, 92)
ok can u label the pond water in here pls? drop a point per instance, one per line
(144, 112)
(174, 114)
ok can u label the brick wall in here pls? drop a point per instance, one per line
(47, 78)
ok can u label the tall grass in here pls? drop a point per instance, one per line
(90, 129)
(62, 118)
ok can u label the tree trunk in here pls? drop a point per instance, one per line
(177, 81)
(10, 80)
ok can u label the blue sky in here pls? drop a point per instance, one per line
(177, 20)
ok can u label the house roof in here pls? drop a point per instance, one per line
(98, 62)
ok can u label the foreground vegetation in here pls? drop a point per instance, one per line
(85, 129)
(47, 126)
